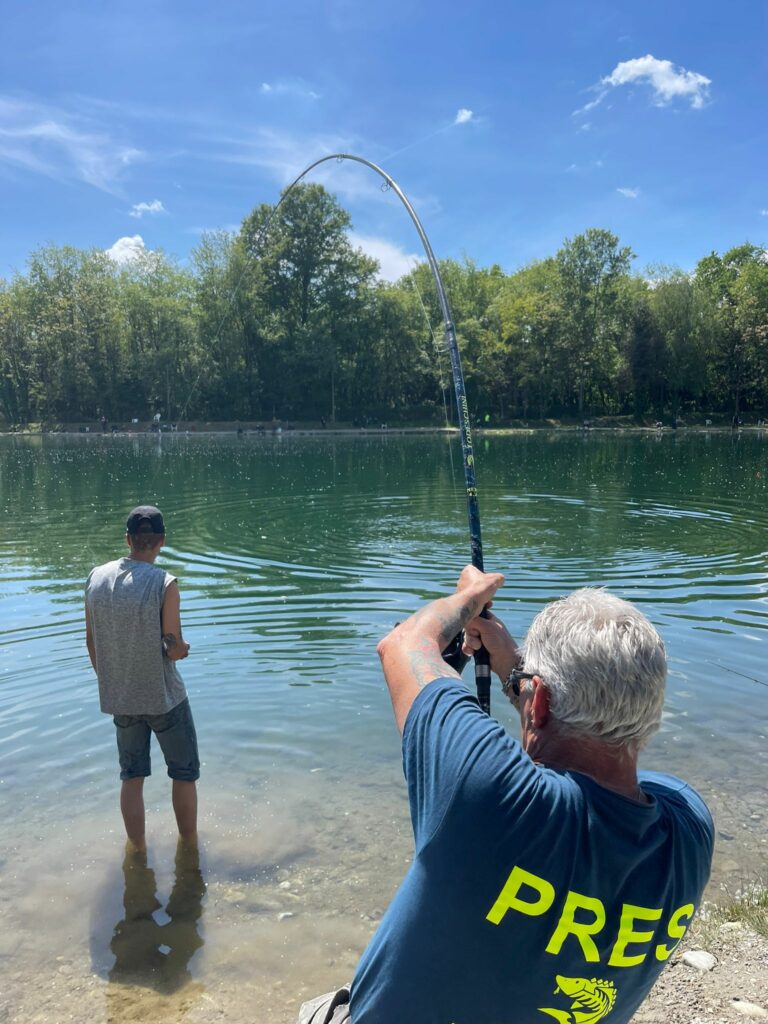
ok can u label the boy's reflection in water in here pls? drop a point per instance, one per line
(151, 954)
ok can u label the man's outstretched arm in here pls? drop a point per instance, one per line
(411, 655)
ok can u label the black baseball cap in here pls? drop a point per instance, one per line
(145, 519)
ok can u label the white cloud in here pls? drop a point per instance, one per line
(393, 261)
(127, 249)
(592, 104)
(629, 193)
(667, 81)
(289, 87)
(61, 145)
(463, 116)
(139, 209)
(764, 213)
(284, 155)
(230, 229)
(592, 165)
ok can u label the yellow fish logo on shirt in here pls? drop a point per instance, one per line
(593, 999)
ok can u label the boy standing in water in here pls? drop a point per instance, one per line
(133, 634)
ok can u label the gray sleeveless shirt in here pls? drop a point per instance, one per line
(123, 600)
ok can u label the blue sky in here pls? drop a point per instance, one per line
(509, 125)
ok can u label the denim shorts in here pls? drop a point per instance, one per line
(176, 735)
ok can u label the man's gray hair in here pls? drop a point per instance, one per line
(603, 663)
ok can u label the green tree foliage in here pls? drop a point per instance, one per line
(676, 307)
(592, 269)
(312, 288)
(532, 355)
(15, 351)
(751, 291)
(157, 306)
(285, 319)
(733, 292)
(645, 361)
(230, 356)
(74, 332)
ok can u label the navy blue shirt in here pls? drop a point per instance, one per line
(534, 894)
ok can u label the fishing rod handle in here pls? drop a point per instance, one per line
(482, 657)
(483, 679)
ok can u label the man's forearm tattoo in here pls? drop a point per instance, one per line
(450, 622)
(424, 657)
(454, 622)
(427, 664)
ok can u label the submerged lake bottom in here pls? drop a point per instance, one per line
(294, 556)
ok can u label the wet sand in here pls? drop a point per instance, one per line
(280, 910)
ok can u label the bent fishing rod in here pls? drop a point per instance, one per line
(482, 660)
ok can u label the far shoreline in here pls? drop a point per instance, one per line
(608, 425)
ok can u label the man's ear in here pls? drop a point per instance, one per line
(540, 703)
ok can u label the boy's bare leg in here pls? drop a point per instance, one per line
(132, 807)
(185, 809)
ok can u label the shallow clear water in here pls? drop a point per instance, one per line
(294, 556)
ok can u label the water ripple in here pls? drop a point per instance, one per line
(296, 556)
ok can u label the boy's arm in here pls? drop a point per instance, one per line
(89, 639)
(174, 646)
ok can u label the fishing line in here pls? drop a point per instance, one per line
(422, 139)
(435, 345)
(438, 349)
(482, 661)
(727, 668)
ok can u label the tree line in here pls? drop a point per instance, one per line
(285, 319)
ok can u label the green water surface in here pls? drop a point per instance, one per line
(294, 556)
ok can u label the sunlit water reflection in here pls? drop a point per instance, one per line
(295, 555)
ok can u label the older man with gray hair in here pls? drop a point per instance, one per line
(550, 879)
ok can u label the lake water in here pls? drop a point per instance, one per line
(295, 555)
